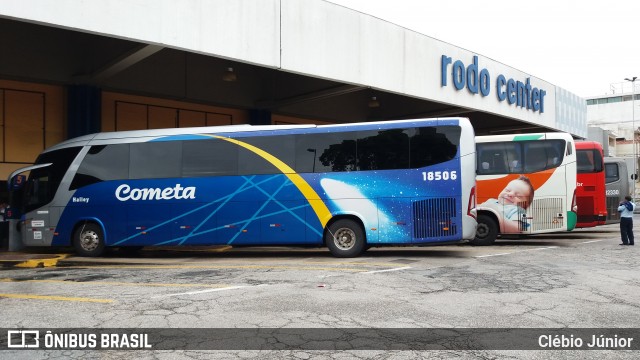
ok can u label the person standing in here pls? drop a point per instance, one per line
(626, 220)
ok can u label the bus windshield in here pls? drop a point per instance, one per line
(43, 182)
(589, 161)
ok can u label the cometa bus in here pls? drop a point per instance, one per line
(348, 187)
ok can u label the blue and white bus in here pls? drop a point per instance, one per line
(348, 187)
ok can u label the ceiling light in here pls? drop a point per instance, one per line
(229, 75)
(374, 103)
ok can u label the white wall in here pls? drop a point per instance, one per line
(238, 29)
(617, 117)
(333, 42)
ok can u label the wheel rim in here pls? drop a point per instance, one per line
(345, 239)
(482, 231)
(89, 240)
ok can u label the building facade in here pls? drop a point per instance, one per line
(73, 67)
(615, 115)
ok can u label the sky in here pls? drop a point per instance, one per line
(585, 47)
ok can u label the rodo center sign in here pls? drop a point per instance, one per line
(478, 81)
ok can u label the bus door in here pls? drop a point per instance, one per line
(37, 228)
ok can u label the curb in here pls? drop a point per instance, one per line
(71, 261)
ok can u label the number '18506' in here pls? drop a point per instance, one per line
(439, 175)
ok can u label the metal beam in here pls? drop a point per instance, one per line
(123, 63)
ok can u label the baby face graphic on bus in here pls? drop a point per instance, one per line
(512, 205)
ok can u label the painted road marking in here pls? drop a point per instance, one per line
(110, 283)
(373, 264)
(387, 270)
(41, 263)
(277, 267)
(517, 251)
(484, 256)
(542, 248)
(205, 291)
(55, 298)
(592, 241)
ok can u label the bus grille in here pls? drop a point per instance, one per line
(546, 214)
(434, 218)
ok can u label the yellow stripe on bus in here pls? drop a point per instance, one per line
(318, 206)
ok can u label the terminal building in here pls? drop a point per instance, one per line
(611, 120)
(74, 67)
(615, 114)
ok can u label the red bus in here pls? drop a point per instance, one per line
(590, 190)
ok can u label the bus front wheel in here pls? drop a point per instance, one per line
(345, 238)
(88, 240)
(486, 232)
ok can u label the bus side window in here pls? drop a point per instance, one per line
(167, 156)
(485, 163)
(499, 163)
(102, 163)
(493, 158)
(585, 163)
(212, 157)
(611, 173)
(514, 166)
(325, 152)
(535, 160)
(552, 159)
(598, 160)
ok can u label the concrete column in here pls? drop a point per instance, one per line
(84, 109)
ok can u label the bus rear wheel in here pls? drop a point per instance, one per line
(88, 240)
(345, 238)
(486, 232)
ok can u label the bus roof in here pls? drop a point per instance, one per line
(149, 134)
(583, 145)
(524, 137)
(613, 159)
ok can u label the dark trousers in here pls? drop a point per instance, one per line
(626, 230)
